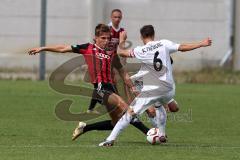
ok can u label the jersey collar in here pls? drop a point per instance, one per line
(99, 47)
(116, 29)
(149, 42)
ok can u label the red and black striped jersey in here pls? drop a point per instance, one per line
(100, 62)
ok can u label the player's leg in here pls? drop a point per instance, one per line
(120, 108)
(92, 105)
(138, 106)
(103, 125)
(83, 128)
(151, 113)
(173, 106)
(161, 119)
(123, 122)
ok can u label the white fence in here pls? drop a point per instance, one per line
(72, 21)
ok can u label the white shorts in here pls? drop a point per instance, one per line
(148, 98)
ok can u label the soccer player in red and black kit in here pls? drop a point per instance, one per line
(100, 63)
(115, 29)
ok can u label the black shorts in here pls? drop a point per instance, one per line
(102, 91)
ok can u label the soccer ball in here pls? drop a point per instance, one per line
(153, 136)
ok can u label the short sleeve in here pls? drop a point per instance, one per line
(79, 48)
(171, 46)
(136, 52)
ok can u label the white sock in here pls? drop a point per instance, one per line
(161, 119)
(153, 121)
(121, 124)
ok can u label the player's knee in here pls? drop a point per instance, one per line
(151, 112)
(173, 106)
(121, 104)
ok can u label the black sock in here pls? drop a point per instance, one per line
(139, 125)
(103, 125)
(92, 104)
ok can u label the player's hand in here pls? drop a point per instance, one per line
(206, 42)
(33, 51)
(122, 36)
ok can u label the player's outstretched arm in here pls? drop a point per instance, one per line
(56, 48)
(122, 51)
(191, 46)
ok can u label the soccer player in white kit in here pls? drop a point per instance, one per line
(158, 83)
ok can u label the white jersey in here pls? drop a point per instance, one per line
(156, 68)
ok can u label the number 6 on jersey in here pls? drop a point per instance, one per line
(157, 62)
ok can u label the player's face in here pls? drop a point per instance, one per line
(116, 18)
(103, 40)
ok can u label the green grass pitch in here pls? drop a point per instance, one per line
(207, 126)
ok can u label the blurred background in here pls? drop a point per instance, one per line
(73, 22)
